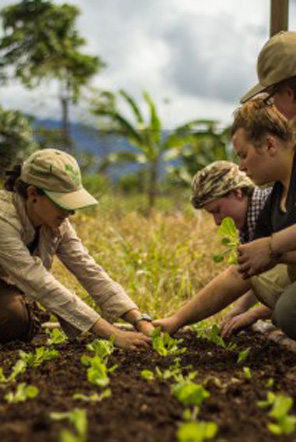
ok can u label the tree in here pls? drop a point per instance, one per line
(148, 138)
(206, 143)
(16, 138)
(40, 42)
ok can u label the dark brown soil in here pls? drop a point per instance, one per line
(143, 411)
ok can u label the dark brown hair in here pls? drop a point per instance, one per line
(13, 183)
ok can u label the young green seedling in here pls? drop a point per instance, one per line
(230, 239)
(196, 431)
(164, 344)
(101, 348)
(242, 356)
(23, 392)
(41, 355)
(281, 405)
(247, 372)
(97, 374)
(190, 394)
(78, 418)
(94, 397)
(148, 375)
(214, 336)
(56, 336)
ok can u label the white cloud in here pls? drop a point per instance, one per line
(199, 54)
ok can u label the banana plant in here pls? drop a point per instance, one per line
(148, 139)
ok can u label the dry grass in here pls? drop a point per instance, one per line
(161, 261)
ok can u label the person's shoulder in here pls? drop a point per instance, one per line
(7, 206)
(9, 216)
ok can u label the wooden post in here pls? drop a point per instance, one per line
(279, 16)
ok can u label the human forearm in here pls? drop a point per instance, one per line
(245, 302)
(288, 258)
(284, 241)
(222, 291)
(142, 326)
(260, 312)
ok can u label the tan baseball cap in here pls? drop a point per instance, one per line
(276, 62)
(57, 173)
(216, 180)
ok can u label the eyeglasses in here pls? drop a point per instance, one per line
(268, 100)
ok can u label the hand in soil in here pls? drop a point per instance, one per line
(167, 325)
(236, 323)
(132, 340)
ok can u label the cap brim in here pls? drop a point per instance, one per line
(72, 200)
(252, 92)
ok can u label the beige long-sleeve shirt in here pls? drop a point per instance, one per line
(31, 274)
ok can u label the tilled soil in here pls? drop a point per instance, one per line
(146, 411)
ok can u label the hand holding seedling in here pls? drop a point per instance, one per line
(255, 257)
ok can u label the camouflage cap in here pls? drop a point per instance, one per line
(216, 180)
(57, 173)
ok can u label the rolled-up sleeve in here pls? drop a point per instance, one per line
(108, 294)
(29, 275)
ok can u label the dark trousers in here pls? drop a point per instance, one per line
(17, 321)
(284, 314)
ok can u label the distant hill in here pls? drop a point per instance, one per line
(89, 139)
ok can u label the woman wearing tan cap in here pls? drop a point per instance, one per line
(34, 226)
(264, 142)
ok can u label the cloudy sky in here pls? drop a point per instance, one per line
(195, 57)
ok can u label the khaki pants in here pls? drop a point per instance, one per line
(17, 321)
(269, 286)
(276, 290)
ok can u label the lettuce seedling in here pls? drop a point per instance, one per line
(270, 383)
(23, 392)
(56, 336)
(41, 355)
(101, 348)
(78, 418)
(214, 336)
(164, 344)
(148, 375)
(97, 374)
(230, 239)
(196, 431)
(247, 372)
(281, 405)
(94, 397)
(189, 393)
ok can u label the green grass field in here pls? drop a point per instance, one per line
(161, 261)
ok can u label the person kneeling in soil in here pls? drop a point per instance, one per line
(224, 191)
(35, 206)
(264, 142)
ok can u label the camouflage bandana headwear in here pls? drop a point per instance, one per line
(58, 175)
(216, 180)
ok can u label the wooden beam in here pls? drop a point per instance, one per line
(279, 16)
